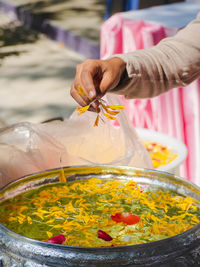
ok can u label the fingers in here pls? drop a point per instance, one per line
(87, 82)
(84, 78)
(114, 69)
(80, 99)
(96, 77)
(108, 82)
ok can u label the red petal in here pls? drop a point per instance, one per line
(103, 235)
(127, 218)
(59, 239)
(117, 217)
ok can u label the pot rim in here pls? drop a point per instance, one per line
(150, 171)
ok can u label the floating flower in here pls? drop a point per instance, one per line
(59, 239)
(79, 208)
(103, 235)
(125, 217)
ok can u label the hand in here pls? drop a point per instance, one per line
(96, 77)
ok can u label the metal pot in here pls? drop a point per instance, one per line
(180, 250)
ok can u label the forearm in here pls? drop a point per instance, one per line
(174, 62)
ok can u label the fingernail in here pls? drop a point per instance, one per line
(91, 94)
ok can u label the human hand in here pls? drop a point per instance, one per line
(96, 77)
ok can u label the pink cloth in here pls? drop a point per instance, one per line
(177, 112)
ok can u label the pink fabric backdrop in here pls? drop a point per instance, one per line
(177, 112)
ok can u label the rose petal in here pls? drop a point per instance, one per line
(103, 235)
(125, 217)
(59, 239)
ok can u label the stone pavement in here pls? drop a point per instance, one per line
(35, 80)
(75, 23)
(35, 72)
(82, 17)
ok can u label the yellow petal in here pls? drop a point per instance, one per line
(10, 219)
(109, 116)
(29, 219)
(62, 177)
(82, 109)
(116, 107)
(80, 91)
(96, 123)
(50, 221)
(85, 108)
(111, 112)
(49, 234)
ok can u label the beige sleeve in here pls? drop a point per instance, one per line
(174, 62)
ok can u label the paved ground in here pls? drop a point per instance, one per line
(82, 17)
(36, 72)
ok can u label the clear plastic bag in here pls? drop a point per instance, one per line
(27, 148)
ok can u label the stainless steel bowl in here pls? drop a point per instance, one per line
(180, 250)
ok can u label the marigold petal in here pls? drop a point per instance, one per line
(116, 107)
(80, 91)
(109, 116)
(111, 112)
(96, 123)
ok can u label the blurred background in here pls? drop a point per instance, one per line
(41, 42)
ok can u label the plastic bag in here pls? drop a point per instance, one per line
(27, 148)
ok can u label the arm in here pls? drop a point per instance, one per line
(174, 62)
